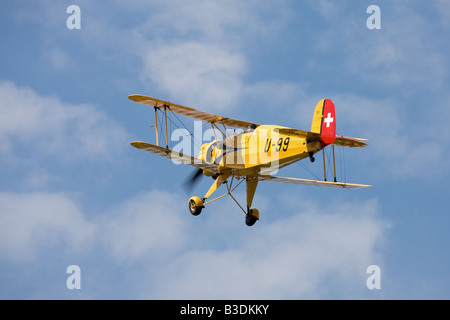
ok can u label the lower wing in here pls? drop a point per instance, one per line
(175, 156)
(312, 182)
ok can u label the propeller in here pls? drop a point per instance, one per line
(192, 180)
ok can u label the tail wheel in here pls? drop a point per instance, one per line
(193, 208)
(251, 217)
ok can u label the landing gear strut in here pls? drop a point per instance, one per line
(251, 215)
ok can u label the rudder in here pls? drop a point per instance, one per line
(324, 121)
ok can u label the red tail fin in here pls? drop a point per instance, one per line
(324, 121)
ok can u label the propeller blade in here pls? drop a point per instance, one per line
(191, 181)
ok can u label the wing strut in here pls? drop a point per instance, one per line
(156, 107)
(324, 167)
(156, 126)
(165, 120)
(334, 165)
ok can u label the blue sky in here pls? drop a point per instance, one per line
(74, 192)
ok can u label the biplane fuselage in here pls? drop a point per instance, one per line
(253, 155)
(264, 149)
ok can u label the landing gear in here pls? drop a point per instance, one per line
(195, 206)
(251, 217)
(311, 157)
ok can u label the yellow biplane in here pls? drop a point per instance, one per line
(252, 155)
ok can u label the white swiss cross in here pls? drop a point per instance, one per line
(328, 120)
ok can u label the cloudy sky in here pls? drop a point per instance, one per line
(74, 192)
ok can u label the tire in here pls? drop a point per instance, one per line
(194, 209)
(250, 220)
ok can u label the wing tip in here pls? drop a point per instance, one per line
(137, 97)
(140, 144)
(355, 185)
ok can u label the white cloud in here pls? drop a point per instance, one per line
(217, 22)
(47, 126)
(279, 102)
(196, 74)
(141, 228)
(302, 256)
(152, 238)
(145, 227)
(398, 144)
(194, 51)
(33, 222)
(406, 52)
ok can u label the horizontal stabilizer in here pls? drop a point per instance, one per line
(350, 142)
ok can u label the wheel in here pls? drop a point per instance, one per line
(193, 208)
(250, 220)
(252, 217)
(312, 159)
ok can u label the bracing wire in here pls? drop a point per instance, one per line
(194, 139)
(342, 166)
(329, 160)
(308, 170)
(185, 127)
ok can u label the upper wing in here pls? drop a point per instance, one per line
(312, 182)
(190, 112)
(176, 156)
